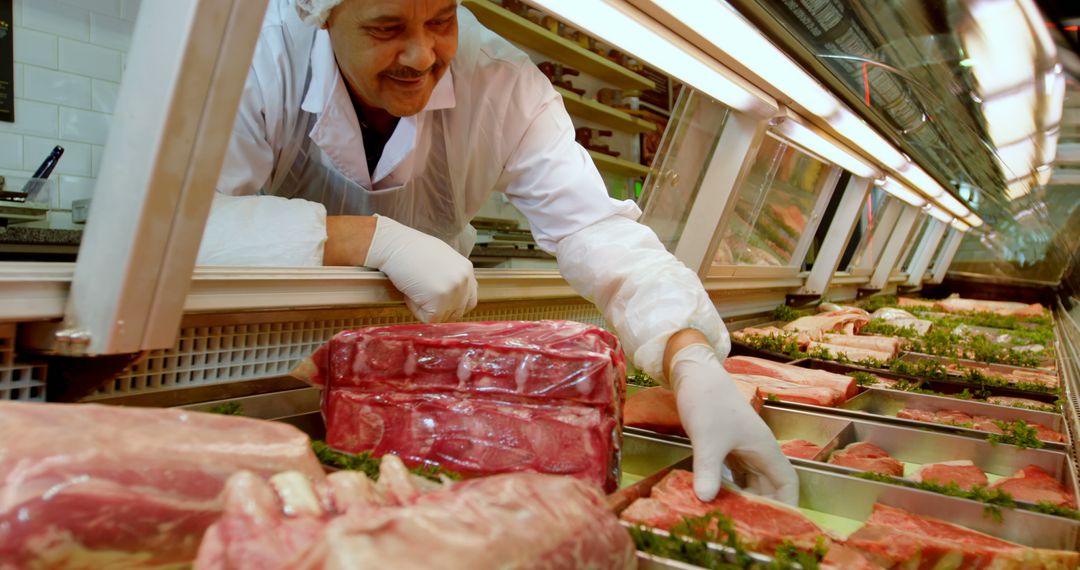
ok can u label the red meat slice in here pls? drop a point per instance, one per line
(761, 523)
(866, 456)
(981, 423)
(917, 415)
(1034, 485)
(479, 398)
(788, 392)
(474, 436)
(799, 448)
(987, 424)
(962, 472)
(137, 487)
(845, 385)
(1046, 434)
(840, 557)
(519, 520)
(896, 538)
(656, 409)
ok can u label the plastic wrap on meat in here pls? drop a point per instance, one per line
(512, 521)
(761, 523)
(90, 486)
(479, 398)
(894, 538)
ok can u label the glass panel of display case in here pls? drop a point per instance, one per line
(682, 158)
(861, 243)
(774, 206)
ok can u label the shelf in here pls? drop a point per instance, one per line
(521, 31)
(603, 114)
(617, 165)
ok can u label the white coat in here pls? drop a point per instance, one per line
(493, 124)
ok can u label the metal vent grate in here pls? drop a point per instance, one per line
(268, 344)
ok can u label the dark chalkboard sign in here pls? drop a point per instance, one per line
(7, 62)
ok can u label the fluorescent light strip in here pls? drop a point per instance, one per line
(861, 135)
(937, 214)
(825, 148)
(952, 205)
(726, 30)
(918, 178)
(898, 190)
(665, 50)
(960, 226)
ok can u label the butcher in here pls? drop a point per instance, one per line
(370, 132)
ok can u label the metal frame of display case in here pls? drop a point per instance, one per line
(920, 261)
(134, 279)
(948, 251)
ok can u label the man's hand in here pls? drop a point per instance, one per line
(721, 424)
(437, 283)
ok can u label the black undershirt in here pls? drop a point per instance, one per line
(374, 140)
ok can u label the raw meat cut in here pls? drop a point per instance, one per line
(886, 344)
(955, 304)
(761, 523)
(901, 318)
(655, 408)
(478, 398)
(1010, 401)
(979, 422)
(840, 557)
(851, 353)
(962, 472)
(799, 448)
(894, 538)
(1034, 485)
(866, 456)
(848, 320)
(795, 374)
(475, 436)
(84, 485)
(522, 520)
(788, 392)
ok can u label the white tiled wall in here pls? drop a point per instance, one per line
(69, 57)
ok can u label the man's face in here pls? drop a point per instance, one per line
(393, 52)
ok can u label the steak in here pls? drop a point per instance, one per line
(85, 484)
(1034, 485)
(885, 344)
(655, 408)
(848, 320)
(978, 422)
(894, 538)
(761, 523)
(963, 473)
(789, 392)
(522, 520)
(1010, 401)
(478, 398)
(850, 352)
(845, 385)
(865, 456)
(799, 448)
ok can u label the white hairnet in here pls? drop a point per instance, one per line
(315, 12)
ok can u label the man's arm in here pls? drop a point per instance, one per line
(348, 239)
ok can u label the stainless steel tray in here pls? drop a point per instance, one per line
(883, 405)
(916, 447)
(989, 368)
(840, 503)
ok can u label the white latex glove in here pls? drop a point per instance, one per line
(722, 424)
(438, 283)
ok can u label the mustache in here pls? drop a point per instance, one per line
(409, 73)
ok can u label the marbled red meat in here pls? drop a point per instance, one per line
(866, 456)
(1034, 485)
(125, 487)
(844, 385)
(479, 398)
(790, 392)
(894, 538)
(519, 521)
(760, 523)
(962, 472)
